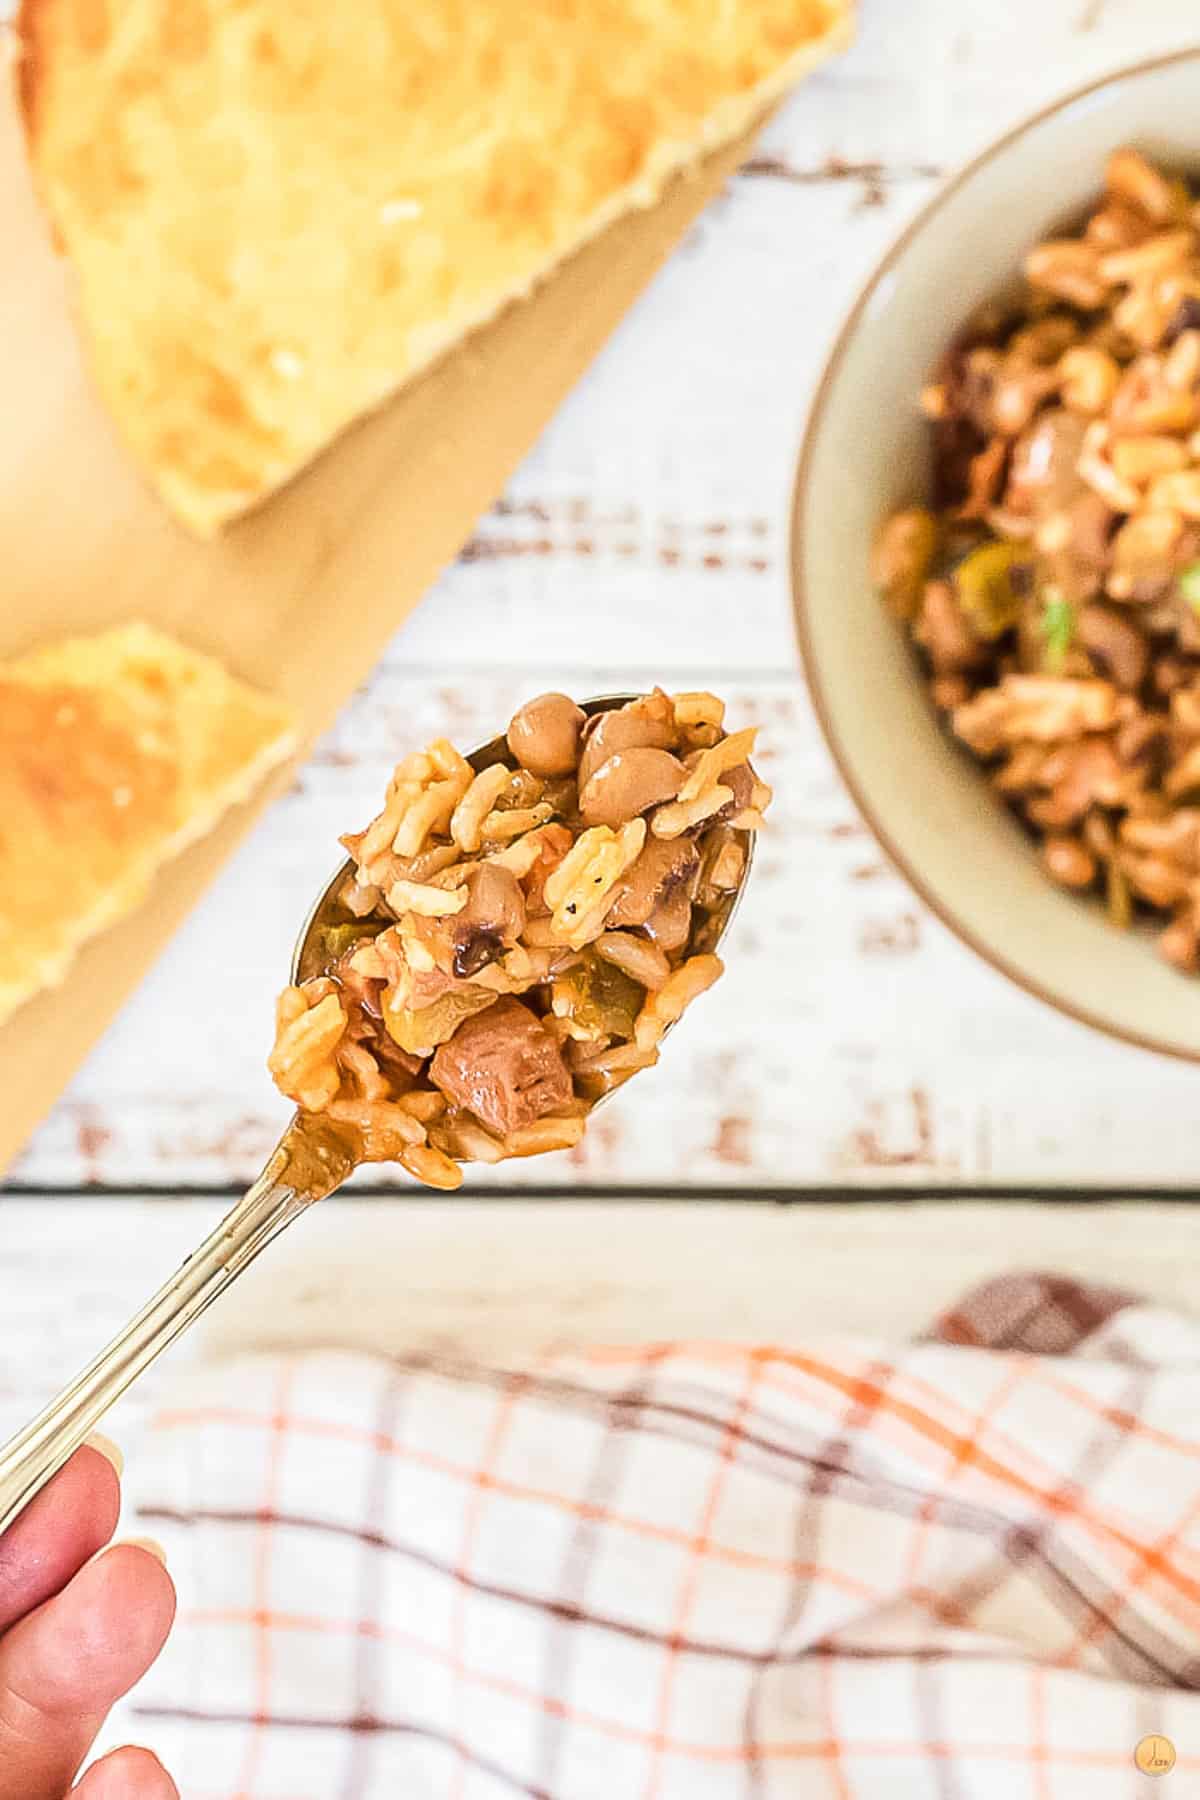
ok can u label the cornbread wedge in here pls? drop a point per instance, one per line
(280, 211)
(115, 752)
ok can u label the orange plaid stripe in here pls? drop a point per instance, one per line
(1045, 1494)
(1149, 1562)
(176, 1418)
(698, 1549)
(262, 1585)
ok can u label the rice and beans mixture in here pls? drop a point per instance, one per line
(518, 932)
(1053, 585)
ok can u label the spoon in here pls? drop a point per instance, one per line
(310, 1162)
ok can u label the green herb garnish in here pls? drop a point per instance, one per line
(1058, 627)
(1189, 585)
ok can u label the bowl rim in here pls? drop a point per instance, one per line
(813, 428)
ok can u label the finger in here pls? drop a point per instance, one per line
(127, 1774)
(64, 1666)
(72, 1518)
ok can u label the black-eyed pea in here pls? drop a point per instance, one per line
(544, 735)
(1069, 862)
(645, 724)
(628, 784)
(1088, 379)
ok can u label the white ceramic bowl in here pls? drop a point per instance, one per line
(865, 452)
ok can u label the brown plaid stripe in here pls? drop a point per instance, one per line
(1043, 1315)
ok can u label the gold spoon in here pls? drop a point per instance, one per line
(309, 1163)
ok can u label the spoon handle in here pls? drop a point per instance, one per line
(292, 1180)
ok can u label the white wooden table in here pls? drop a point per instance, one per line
(853, 1045)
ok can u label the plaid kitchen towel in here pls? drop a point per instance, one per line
(968, 1570)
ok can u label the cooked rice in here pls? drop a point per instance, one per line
(466, 822)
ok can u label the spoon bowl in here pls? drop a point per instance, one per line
(310, 1162)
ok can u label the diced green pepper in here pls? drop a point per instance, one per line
(338, 939)
(600, 998)
(986, 591)
(421, 1032)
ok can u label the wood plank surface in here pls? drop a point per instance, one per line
(853, 1043)
(392, 1276)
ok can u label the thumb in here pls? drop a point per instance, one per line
(65, 1665)
(128, 1774)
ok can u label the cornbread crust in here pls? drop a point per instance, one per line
(116, 751)
(278, 213)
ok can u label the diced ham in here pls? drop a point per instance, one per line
(504, 1067)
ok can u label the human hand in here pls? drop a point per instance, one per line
(76, 1634)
